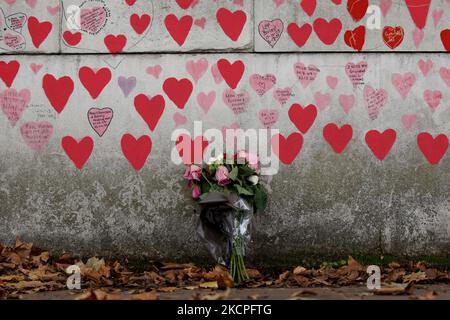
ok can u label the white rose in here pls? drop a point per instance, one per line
(254, 180)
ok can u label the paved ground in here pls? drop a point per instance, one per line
(425, 292)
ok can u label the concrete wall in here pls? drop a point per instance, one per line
(322, 203)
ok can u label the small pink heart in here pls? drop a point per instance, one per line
(408, 120)
(35, 67)
(305, 74)
(154, 71)
(262, 84)
(179, 119)
(322, 100)
(197, 68)
(216, 74)
(347, 102)
(332, 82)
(374, 100)
(403, 83)
(432, 98)
(268, 117)
(238, 2)
(13, 103)
(437, 15)
(418, 35)
(356, 72)
(445, 75)
(278, 2)
(282, 95)
(100, 119)
(385, 6)
(53, 10)
(205, 101)
(31, 3)
(425, 66)
(237, 102)
(10, 2)
(36, 134)
(200, 22)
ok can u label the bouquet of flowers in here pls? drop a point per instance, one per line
(230, 192)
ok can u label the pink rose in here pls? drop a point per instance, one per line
(250, 158)
(193, 172)
(196, 192)
(222, 176)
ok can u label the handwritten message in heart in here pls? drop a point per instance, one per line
(100, 119)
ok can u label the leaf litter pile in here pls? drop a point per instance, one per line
(26, 269)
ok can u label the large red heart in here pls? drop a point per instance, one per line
(419, 11)
(232, 23)
(355, 38)
(433, 149)
(357, 8)
(179, 91)
(393, 36)
(381, 142)
(94, 81)
(58, 91)
(299, 35)
(150, 110)
(72, 39)
(445, 38)
(309, 6)
(191, 151)
(327, 31)
(231, 72)
(178, 29)
(287, 149)
(338, 138)
(78, 151)
(8, 71)
(38, 30)
(136, 151)
(303, 118)
(184, 4)
(140, 23)
(115, 44)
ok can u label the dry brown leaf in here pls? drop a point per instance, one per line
(209, 285)
(145, 296)
(354, 265)
(394, 265)
(304, 293)
(170, 265)
(254, 273)
(168, 289)
(299, 270)
(395, 290)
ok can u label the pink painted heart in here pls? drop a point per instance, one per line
(445, 75)
(322, 100)
(347, 102)
(418, 35)
(356, 72)
(31, 3)
(282, 95)
(197, 68)
(13, 103)
(268, 117)
(403, 83)
(432, 98)
(278, 2)
(374, 100)
(437, 15)
(385, 6)
(92, 20)
(271, 31)
(262, 83)
(53, 10)
(305, 74)
(154, 71)
(35, 67)
(237, 102)
(205, 101)
(100, 119)
(409, 120)
(36, 134)
(179, 119)
(10, 2)
(332, 82)
(200, 22)
(216, 74)
(425, 66)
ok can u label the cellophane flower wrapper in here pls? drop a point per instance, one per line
(225, 229)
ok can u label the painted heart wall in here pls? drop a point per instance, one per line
(86, 129)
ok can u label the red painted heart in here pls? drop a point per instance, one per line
(58, 91)
(178, 28)
(150, 110)
(78, 151)
(140, 23)
(299, 35)
(94, 81)
(39, 31)
(8, 71)
(231, 72)
(136, 151)
(287, 149)
(232, 23)
(433, 149)
(303, 118)
(179, 91)
(381, 142)
(355, 38)
(338, 138)
(191, 151)
(115, 44)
